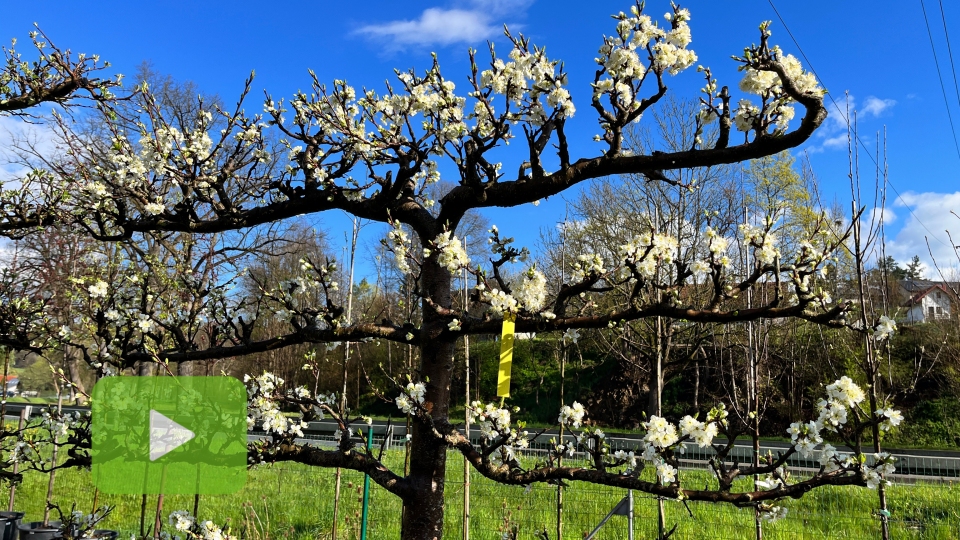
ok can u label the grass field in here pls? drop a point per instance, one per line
(294, 501)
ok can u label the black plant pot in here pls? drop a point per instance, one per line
(99, 534)
(9, 521)
(35, 530)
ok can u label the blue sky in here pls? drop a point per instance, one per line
(878, 51)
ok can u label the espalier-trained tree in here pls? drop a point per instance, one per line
(375, 156)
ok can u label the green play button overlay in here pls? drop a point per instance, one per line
(169, 435)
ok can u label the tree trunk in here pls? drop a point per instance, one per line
(73, 368)
(423, 506)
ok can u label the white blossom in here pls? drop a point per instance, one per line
(530, 291)
(772, 513)
(414, 394)
(891, 418)
(571, 336)
(154, 208)
(845, 391)
(450, 252)
(585, 266)
(885, 328)
(660, 432)
(666, 473)
(572, 415)
(98, 289)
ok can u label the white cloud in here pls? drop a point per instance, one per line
(837, 141)
(934, 209)
(883, 214)
(470, 22)
(833, 133)
(16, 133)
(875, 106)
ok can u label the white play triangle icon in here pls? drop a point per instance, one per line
(165, 435)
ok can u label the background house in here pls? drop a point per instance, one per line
(11, 385)
(927, 301)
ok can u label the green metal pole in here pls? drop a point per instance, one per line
(366, 489)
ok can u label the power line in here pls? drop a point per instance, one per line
(943, 88)
(953, 66)
(855, 134)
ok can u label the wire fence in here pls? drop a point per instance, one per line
(297, 502)
(294, 501)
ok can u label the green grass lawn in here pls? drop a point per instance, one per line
(296, 501)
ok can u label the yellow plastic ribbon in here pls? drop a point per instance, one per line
(506, 355)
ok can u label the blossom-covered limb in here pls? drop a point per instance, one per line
(356, 332)
(354, 460)
(514, 476)
(56, 77)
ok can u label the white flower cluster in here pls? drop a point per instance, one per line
(666, 473)
(660, 433)
(154, 208)
(764, 241)
(398, 242)
(700, 268)
(746, 115)
(181, 520)
(524, 80)
(842, 395)
(763, 83)
(500, 302)
(585, 266)
(845, 391)
(433, 97)
(831, 460)
(493, 420)
(412, 396)
(530, 289)
(648, 250)
(619, 55)
(806, 436)
(702, 433)
(98, 289)
(771, 513)
(661, 436)
(59, 424)
(769, 86)
(883, 465)
(263, 407)
(494, 423)
(715, 243)
(891, 418)
(572, 415)
(145, 324)
(884, 329)
(628, 458)
(193, 529)
(450, 252)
